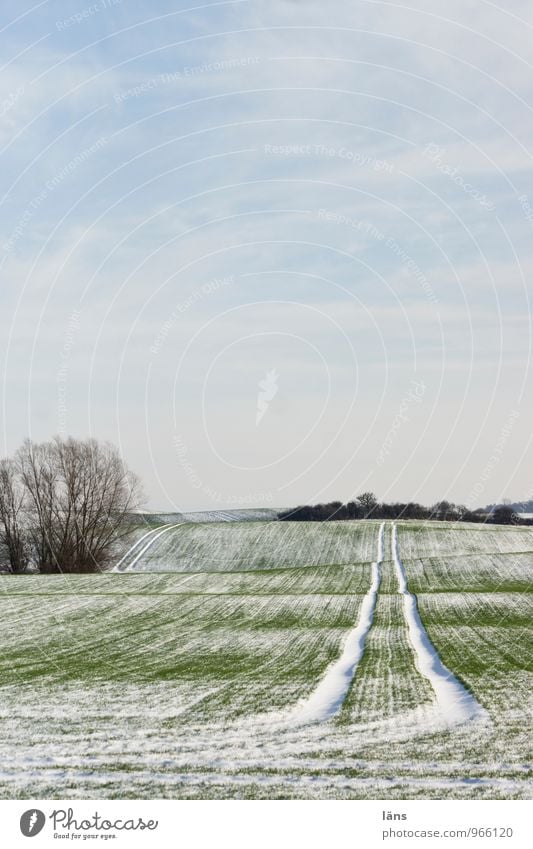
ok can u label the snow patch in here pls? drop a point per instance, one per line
(154, 535)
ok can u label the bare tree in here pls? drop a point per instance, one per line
(79, 494)
(98, 492)
(12, 535)
(368, 502)
(445, 511)
(503, 515)
(35, 466)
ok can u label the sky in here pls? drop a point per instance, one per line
(278, 252)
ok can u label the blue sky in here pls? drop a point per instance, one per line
(194, 197)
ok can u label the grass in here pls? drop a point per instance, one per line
(387, 680)
(252, 546)
(154, 684)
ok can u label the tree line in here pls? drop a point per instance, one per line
(367, 506)
(63, 505)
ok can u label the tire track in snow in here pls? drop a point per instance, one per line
(327, 698)
(158, 533)
(134, 546)
(453, 699)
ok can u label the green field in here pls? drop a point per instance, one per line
(184, 677)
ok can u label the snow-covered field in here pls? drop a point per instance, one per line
(252, 545)
(281, 660)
